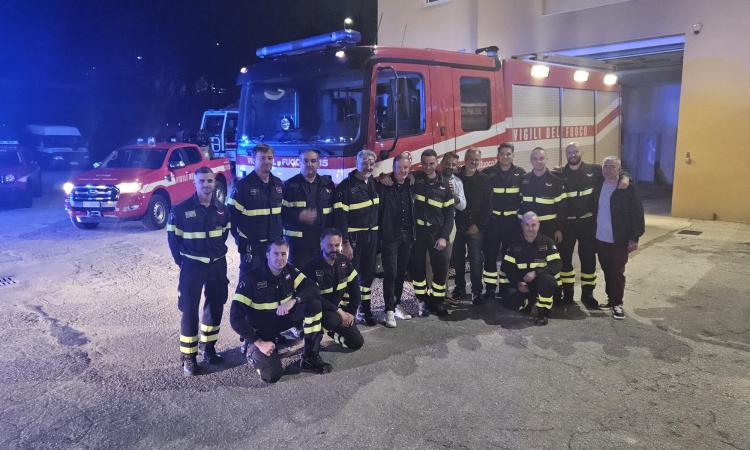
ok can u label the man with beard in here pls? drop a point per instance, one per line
(307, 208)
(339, 290)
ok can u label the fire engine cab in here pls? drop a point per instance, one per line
(140, 181)
(326, 92)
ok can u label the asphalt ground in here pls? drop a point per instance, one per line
(91, 358)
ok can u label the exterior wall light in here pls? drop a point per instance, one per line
(610, 79)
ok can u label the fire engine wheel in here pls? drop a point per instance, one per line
(84, 225)
(157, 212)
(221, 191)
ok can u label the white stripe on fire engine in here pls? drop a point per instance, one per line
(465, 140)
(601, 115)
(285, 173)
(607, 129)
(164, 183)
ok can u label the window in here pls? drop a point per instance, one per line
(475, 104)
(193, 155)
(230, 129)
(410, 104)
(176, 159)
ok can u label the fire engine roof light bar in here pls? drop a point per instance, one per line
(581, 76)
(338, 38)
(539, 71)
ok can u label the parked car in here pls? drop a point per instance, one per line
(20, 176)
(140, 182)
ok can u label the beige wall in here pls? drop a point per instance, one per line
(715, 97)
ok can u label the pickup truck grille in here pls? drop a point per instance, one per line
(94, 194)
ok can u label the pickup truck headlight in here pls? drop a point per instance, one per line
(8, 178)
(68, 187)
(129, 188)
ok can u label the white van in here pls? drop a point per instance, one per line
(57, 145)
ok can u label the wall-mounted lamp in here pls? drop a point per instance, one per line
(539, 71)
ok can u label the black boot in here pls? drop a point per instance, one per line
(189, 365)
(489, 293)
(541, 316)
(437, 307)
(364, 314)
(587, 298)
(210, 356)
(315, 364)
(567, 294)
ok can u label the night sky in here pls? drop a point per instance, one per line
(122, 69)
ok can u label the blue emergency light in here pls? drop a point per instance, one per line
(338, 38)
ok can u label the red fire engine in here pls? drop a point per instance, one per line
(328, 93)
(140, 181)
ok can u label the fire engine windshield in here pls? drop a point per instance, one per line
(135, 158)
(315, 106)
(213, 124)
(10, 159)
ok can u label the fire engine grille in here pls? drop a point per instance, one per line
(94, 194)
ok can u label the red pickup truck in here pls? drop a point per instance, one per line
(140, 181)
(20, 177)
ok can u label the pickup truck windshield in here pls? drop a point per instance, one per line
(10, 159)
(314, 105)
(135, 158)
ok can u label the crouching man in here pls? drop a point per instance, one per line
(270, 299)
(532, 264)
(339, 290)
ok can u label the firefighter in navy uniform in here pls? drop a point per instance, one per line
(255, 203)
(355, 214)
(339, 289)
(274, 297)
(197, 232)
(544, 193)
(503, 225)
(306, 209)
(580, 181)
(434, 214)
(532, 265)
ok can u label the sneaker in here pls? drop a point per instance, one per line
(618, 312)
(457, 295)
(606, 306)
(401, 314)
(541, 321)
(438, 308)
(243, 346)
(189, 366)
(390, 319)
(366, 318)
(450, 301)
(315, 364)
(477, 300)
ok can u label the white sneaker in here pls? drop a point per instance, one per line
(401, 314)
(390, 319)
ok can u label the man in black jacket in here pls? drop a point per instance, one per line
(307, 208)
(339, 290)
(396, 220)
(619, 225)
(503, 224)
(433, 214)
(470, 225)
(355, 214)
(256, 209)
(197, 232)
(544, 193)
(270, 299)
(532, 264)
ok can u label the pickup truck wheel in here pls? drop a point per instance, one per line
(221, 191)
(84, 225)
(157, 212)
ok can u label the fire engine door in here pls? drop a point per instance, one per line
(473, 111)
(179, 182)
(441, 107)
(402, 118)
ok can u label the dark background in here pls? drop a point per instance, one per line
(75, 62)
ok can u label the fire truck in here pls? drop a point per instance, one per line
(329, 93)
(140, 182)
(219, 128)
(20, 176)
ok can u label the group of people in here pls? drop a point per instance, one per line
(308, 249)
